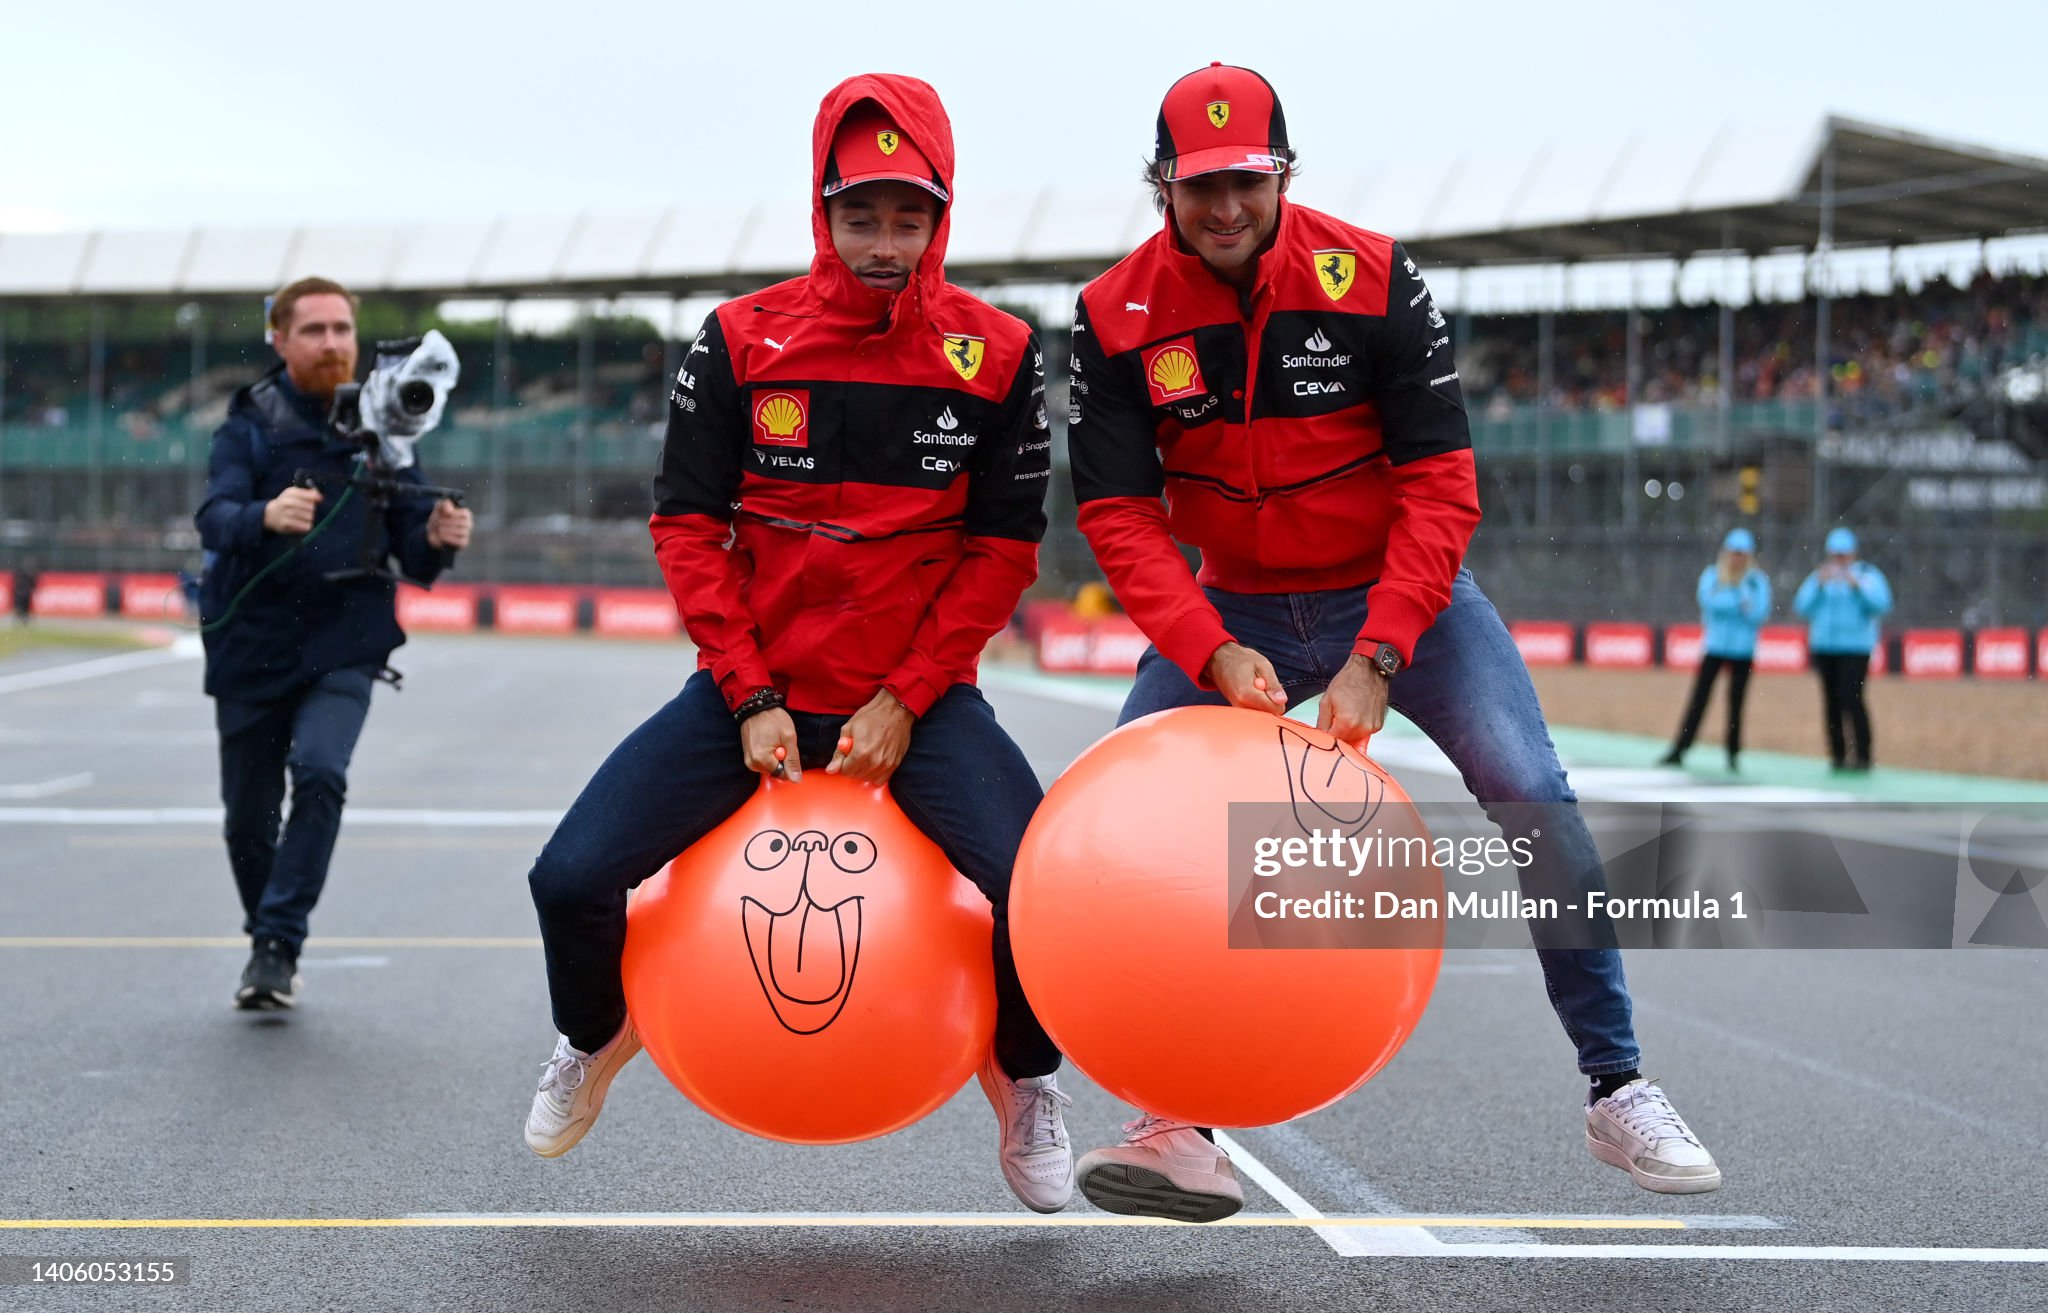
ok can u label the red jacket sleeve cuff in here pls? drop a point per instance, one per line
(917, 685)
(1190, 641)
(739, 680)
(1393, 618)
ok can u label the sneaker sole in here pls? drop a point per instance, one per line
(265, 1000)
(1141, 1192)
(1614, 1156)
(573, 1136)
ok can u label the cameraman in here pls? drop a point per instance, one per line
(290, 657)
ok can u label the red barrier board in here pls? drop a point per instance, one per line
(636, 613)
(1115, 646)
(1880, 657)
(2001, 654)
(536, 610)
(1543, 642)
(447, 608)
(1108, 646)
(2041, 653)
(1781, 648)
(71, 595)
(1063, 646)
(6, 592)
(152, 597)
(1932, 654)
(1683, 646)
(1618, 646)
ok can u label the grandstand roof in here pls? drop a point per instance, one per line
(1750, 188)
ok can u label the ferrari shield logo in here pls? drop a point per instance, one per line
(1219, 112)
(888, 141)
(1336, 270)
(963, 353)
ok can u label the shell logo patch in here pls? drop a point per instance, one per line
(888, 141)
(782, 418)
(1336, 271)
(1219, 112)
(964, 354)
(1172, 371)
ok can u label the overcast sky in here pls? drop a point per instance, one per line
(165, 115)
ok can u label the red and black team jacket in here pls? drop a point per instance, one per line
(852, 489)
(1311, 437)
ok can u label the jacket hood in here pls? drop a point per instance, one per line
(916, 109)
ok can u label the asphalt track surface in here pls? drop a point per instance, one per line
(1878, 1115)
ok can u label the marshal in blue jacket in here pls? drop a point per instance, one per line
(1842, 614)
(1732, 613)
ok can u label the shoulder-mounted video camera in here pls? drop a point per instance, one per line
(385, 416)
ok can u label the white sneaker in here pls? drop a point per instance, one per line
(1038, 1159)
(571, 1092)
(1162, 1169)
(1636, 1129)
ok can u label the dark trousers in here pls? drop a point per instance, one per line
(1841, 704)
(963, 782)
(309, 737)
(1703, 687)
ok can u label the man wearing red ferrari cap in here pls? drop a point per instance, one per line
(848, 506)
(1275, 387)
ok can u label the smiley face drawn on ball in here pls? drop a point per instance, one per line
(805, 954)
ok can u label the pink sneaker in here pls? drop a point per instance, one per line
(1161, 1169)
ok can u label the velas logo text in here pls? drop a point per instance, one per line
(964, 354)
(1336, 271)
(1172, 371)
(782, 418)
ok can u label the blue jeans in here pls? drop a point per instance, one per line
(1468, 690)
(310, 735)
(963, 782)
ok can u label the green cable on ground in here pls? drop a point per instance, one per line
(311, 534)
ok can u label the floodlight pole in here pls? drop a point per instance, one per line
(1821, 329)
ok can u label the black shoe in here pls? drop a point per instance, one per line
(269, 981)
(1672, 758)
(1732, 767)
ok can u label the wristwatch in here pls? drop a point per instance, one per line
(1388, 660)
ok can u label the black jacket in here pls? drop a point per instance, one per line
(296, 625)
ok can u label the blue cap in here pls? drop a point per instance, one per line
(1841, 542)
(1739, 540)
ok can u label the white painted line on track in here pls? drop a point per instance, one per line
(1343, 1226)
(1349, 1242)
(73, 671)
(354, 817)
(1779, 1253)
(48, 788)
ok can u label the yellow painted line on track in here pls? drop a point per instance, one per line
(242, 941)
(743, 1221)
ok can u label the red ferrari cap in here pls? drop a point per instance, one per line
(869, 147)
(1219, 118)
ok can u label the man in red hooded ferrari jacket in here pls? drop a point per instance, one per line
(1274, 387)
(849, 505)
